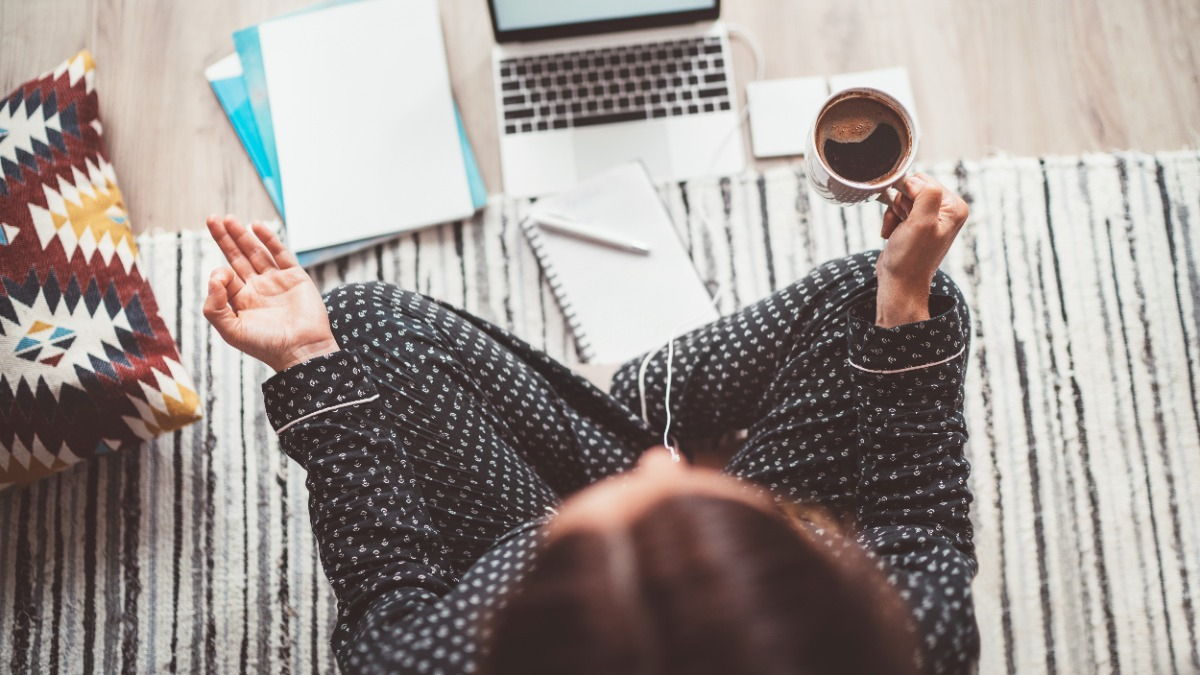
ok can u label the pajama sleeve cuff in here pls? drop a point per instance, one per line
(910, 346)
(316, 386)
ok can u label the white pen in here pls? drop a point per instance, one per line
(573, 228)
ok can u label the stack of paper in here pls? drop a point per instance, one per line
(346, 113)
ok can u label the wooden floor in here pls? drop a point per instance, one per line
(1023, 77)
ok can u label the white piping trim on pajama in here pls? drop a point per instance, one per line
(905, 370)
(300, 419)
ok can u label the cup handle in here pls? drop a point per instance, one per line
(891, 198)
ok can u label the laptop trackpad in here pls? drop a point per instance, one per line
(603, 147)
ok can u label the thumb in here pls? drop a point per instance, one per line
(926, 194)
(216, 306)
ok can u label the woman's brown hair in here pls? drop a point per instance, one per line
(701, 585)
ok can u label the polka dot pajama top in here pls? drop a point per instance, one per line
(436, 444)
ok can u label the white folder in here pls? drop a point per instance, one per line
(364, 121)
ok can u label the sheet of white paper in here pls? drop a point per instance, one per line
(891, 80)
(364, 121)
(623, 303)
(782, 112)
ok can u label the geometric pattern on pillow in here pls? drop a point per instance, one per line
(87, 366)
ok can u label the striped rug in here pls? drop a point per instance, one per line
(195, 555)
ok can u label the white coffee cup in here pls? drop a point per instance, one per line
(844, 192)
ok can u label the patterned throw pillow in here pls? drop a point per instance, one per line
(87, 366)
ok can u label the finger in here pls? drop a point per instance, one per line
(890, 222)
(926, 195)
(237, 260)
(217, 309)
(283, 257)
(251, 247)
(232, 282)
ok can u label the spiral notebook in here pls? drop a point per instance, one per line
(620, 305)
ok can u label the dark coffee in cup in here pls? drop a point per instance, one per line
(863, 139)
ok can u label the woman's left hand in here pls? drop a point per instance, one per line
(265, 304)
(917, 244)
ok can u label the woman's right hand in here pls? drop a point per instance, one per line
(264, 304)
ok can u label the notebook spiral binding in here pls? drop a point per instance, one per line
(582, 344)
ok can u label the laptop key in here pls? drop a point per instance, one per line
(519, 99)
(724, 105)
(521, 113)
(692, 109)
(714, 77)
(560, 124)
(528, 126)
(510, 129)
(542, 126)
(659, 112)
(631, 116)
(712, 48)
(510, 86)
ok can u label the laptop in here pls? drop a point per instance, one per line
(584, 85)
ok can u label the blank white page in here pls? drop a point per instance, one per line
(364, 121)
(621, 304)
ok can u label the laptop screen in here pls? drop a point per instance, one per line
(539, 19)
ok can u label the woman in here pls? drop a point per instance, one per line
(480, 508)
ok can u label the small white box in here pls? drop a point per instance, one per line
(782, 112)
(893, 81)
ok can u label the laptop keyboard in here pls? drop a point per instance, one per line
(617, 84)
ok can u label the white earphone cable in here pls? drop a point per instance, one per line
(760, 68)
